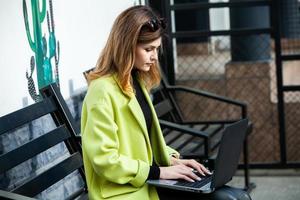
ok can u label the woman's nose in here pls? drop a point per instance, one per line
(154, 56)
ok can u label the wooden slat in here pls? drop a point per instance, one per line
(44, 180)
(171, 137)
(80, 193)
(32, 148)
(216, 140)
(166, 131)
(163, 108)
(212, 131)
(188, 141)
(25, 115)
(4, 195)
(175, 142)
(183, 129)
(187, 149)
(194, 144)
(185, 143)
(84, 197)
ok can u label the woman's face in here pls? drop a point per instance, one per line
(146, 55)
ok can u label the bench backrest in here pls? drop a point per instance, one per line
(65, 131)
(165, 103)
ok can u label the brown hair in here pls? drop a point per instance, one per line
(118, 55)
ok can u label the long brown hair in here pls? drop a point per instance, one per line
(118, 55)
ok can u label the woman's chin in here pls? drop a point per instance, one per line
(145, 69)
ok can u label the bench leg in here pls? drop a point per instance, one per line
(248, 185)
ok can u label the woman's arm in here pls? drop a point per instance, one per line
(101, 146)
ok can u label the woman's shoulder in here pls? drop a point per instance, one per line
(103, 83)
(101, 88)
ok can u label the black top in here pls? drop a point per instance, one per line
(154, 170)
(143, 103)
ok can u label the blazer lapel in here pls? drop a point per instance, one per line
(137, 112)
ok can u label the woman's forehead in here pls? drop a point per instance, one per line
(154, 43)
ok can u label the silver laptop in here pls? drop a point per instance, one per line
(225, 165)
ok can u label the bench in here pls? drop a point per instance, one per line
(63, 133)
(196, 139)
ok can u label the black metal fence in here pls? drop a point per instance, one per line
(239, 49)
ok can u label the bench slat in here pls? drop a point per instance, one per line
(185, 143)
(51, 176)
(163, 108)
(84, 197)
(187, 149)
(33, 148)
(4, 195)
(64, 132)
(27, 114)
(77, 194)
(214, 129)
(188, 140)
(214, 132)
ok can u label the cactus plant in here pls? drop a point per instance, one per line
(38, 45)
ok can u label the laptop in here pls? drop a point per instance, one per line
(225, 165)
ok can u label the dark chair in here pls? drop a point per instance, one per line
(196, 139)
(64, 132)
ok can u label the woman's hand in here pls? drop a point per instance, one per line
(191, 164)
(178, 172)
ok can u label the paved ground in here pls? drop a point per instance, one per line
(273, 184)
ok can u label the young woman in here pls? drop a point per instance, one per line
(122, 142)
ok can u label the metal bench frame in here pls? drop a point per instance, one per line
(65, 131)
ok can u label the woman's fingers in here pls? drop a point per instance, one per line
(183, 169)
(190, 174)
(197, 166)
(178, 172)
(205, 169)
(202, 169)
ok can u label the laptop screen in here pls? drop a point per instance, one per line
(229, 152)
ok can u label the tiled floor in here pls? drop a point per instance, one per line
(273, 184)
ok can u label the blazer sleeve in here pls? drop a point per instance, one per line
(100, 142)
(172, 152)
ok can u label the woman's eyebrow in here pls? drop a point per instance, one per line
(152, 46)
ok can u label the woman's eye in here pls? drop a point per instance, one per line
(148, 50)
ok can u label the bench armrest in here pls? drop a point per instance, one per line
(13, 196)
(206, 94)
(184, 129)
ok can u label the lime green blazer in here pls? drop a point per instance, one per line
(117, 151)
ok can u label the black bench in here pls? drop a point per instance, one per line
(64, 132)
(196, 139)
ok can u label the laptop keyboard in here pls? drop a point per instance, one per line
(197, 184)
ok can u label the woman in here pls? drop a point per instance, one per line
(121, 138)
